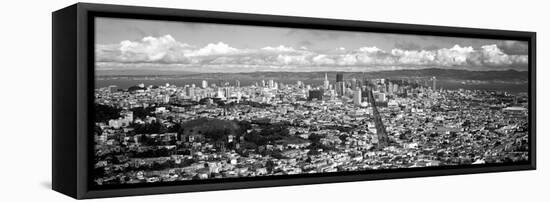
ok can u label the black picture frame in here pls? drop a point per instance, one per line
(73, 81)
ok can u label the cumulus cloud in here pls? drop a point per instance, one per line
(167, 50)
(219, 48)
(492, 55)
(414, 57)
(164, 49)
(372, 49)
(323, 60)
(513, 47)
(455, 56)
(279, 48)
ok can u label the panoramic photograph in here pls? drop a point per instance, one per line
(188, 101)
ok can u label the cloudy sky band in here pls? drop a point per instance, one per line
(142, 44)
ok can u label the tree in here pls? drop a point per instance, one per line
(343, 137)
(154, 127)
(142, 112)
(269, 165)
(104, 113)
(315, 138)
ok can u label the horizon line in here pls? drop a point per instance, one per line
(305, 71)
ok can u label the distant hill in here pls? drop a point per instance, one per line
(454, 74)
(507, 80)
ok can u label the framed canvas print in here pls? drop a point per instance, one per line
(154, 100)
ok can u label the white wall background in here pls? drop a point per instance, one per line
(25, 108)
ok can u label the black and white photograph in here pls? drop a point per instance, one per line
(193, 101)
(275, 101)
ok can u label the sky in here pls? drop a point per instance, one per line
(135, 46)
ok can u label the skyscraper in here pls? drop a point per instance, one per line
(357, 97)
(271, 83)
(190, 91)
(434, 80)
(340, 87)
(339, 77)
(227, 92)
(315, 95)
(326, 83)
(204, 84)
(353, 83)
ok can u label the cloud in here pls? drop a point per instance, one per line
(414, 57)
(167, 50)
(492, 55)
(513, 47)
(279, 48)
(323, 60)
(455, 56)
(164, 49)
(219, 48)
(372, 49)
(298, 60)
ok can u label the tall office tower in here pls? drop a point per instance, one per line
(237, 83)
(434, 80)
(357, 97)
(271, 83)
(263, 83)
(339, 77)
(220, 94)
(380, 128)
(340, 85)
(188, 91)
(326, 83)
(204, 84)
(315, 95)
(227, 92)
(299, 83)
(367, 83)
(353, 83)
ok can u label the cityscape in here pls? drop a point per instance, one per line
(169, 111)
(224, 130)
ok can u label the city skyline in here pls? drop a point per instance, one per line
(136, 46)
